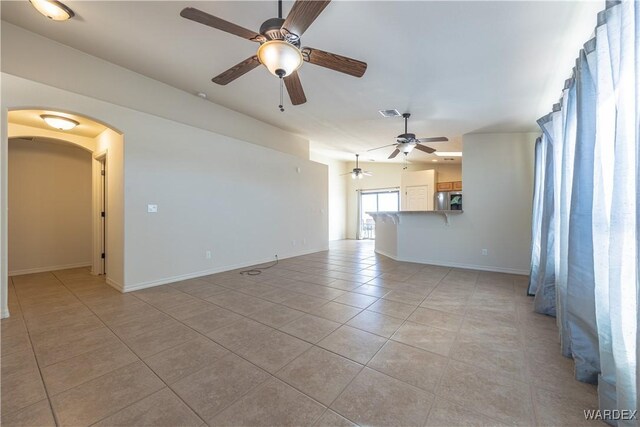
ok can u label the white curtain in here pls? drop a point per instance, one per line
(586, 209)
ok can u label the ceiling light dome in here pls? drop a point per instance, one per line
(59, 122)
(53, 9)
(407, 148)
(280, 57)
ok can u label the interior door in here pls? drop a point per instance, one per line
(418, 198)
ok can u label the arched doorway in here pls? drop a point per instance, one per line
(104, 147)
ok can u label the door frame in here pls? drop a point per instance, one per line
(99, 205)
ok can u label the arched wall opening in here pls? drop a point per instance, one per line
(103, 145)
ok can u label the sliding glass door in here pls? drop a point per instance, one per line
(375, 201)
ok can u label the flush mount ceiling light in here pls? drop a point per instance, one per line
(53, 9)
(449, 153)
(59, 122)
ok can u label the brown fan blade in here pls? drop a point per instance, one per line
(220, 24)
(395, 153)
(236, 71)
(384, 146)
(434, 139)
(294, 87)
(346, 65)
(302, 14)
(425, 148)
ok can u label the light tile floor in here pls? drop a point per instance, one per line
(334, 338)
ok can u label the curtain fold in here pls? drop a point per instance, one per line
(584, 253)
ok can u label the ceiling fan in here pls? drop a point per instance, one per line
(406, 142)
(280, 50)
(357, 172)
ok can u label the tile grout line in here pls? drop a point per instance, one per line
(44, 384)
(134, 353)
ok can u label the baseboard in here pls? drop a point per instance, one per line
(48, 268)
(195, 275)
(117, 286)
(460, 265)
(388, 255)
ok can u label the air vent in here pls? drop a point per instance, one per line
(389, 113)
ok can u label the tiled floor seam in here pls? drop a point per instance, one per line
(139, 359)
(44, 385)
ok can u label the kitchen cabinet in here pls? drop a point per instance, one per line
(445, 186)
(449, 186)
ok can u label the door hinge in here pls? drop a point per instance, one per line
(102, 173)
(102, 214)
(103, 257)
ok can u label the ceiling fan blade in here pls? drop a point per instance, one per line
(343, 174)
(394, 154)
(236, 71)
(294, 87)
(367, 173)
(220, 24)
(384, 146)
(302, 14)
(434, 139)
(346, 65)
(425, 148)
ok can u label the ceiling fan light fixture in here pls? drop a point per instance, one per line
(407, 148)
(280, 57)
(53, 9)
(59, 122)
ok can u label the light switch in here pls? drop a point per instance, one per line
(152, 208)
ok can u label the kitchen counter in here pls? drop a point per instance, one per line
(396, 216)
(405, 235)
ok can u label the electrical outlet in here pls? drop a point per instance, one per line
(485, 252)
(152, 208)
(207, 254)
(293, 243)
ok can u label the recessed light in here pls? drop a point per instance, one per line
(202, 95)
(389, 113)
(59, 122)
(448, 153)
(53, 9)
(434, 160)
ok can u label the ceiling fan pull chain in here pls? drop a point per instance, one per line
(281, 107)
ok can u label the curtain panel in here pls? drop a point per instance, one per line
(584, 252)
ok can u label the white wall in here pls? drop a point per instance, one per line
(447, 172)
(498, 187)
(244, 202)
(337, 187)
(50, 200)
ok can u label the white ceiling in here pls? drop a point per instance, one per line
(457, 66)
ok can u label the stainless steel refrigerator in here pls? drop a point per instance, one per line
(447, 200)
(441, 201)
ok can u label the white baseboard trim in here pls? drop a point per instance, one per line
(115, 285)
(166, 280)
(4, 314)
(388, 255)
(48, 268)
(461, 265)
